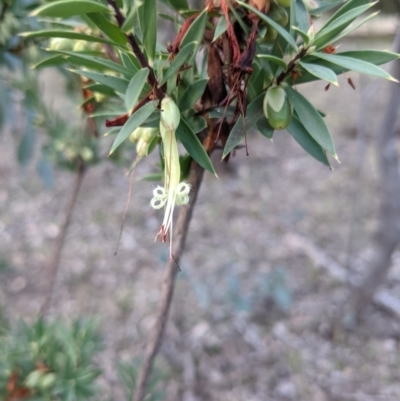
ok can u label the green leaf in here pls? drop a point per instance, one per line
(196, 123)
(179, 4)
(135, 88)
(134, 121)
(220, 29)
(184, 54)
(148, 25)
(302, 34)
(348, 6)
(253, 114)
(192, 94)
(264, 128)
(49, 62)
(285, 34)
(193, 146)
(278, 61)
(312, 121)
(320, 72)
(352, 27)
(69, 8)
(357, 65)
(306, 141)
(108, 28)
(118, 84)
(330, 30)
(195, 32)
(376, 57)
(130, 18)
(54, 33)
(96, 63)
(302, 17)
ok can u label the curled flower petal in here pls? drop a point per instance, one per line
(159, 192)
(158, 203)
(182, 200)
(183, 188)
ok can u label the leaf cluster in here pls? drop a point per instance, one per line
(284, 51)
(50, 361)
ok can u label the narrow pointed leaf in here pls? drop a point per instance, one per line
(302, 17)
(148, 25)
(192, 94)
(134, 121)
(347, 6)
(253, 113)
(50, 62)
(58, 33)
(352, 64)
(97, 63)
(193, 146)
(108, 28)
(376, 57)
(220, 29)
(330, 31)
(312, 121)
(135, 88)
(282, 31)
(179, 4)
(320, 72)
(118, 84)
(69, 8)
(306, 141)
(276, 60)
(180, 59)
(196, 31)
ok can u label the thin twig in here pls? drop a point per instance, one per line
(137, 51)
(55, 259)
(3, 11)
(167, 291)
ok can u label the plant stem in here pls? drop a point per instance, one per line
(55, 259)
(167, 291)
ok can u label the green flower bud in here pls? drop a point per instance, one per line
(170, 114)
(86, 154)
(80, 46)
(310, 4)
(277, 108)
(148, 133)
(142, 147)
(47, 381)
(34, 378)
(284, 3)
(136, 135)
(271, 35)
(279, 15)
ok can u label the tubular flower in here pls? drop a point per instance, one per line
(174, 192)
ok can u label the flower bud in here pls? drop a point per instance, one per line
(34, 378)
(136, 135)
(148, 133)
(271, 35)
(47, 381)
(310, 4)
(277, 108)
(142, 147)
(170, 114)
(279, 15)
(284, 3)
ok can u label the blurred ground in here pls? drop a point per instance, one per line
(230, 336)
